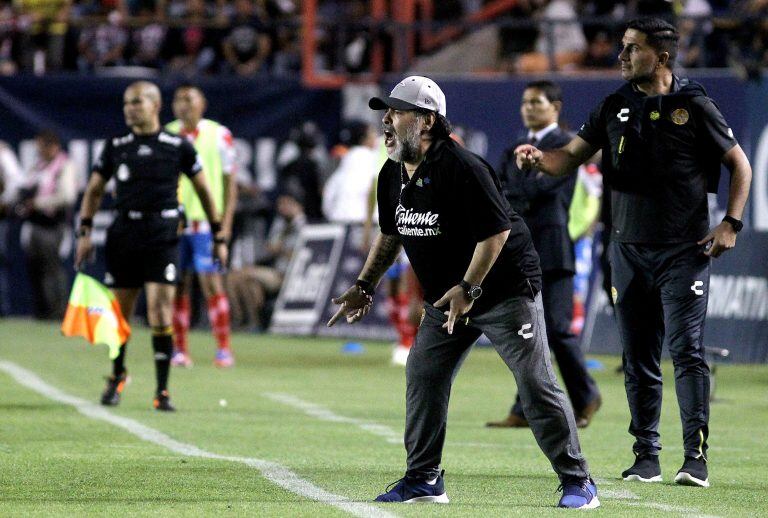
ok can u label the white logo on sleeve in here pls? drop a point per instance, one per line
(695, 287)
(123, 173)
(170, 272)
(523, 330)
(623, 115)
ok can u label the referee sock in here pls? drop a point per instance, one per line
(218, 316)
(181, 322)
(162, 343)
(118, 364)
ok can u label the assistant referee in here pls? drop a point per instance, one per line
(142, 243)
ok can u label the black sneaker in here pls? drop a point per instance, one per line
(162, 402)
(693, 473)
(645, 469)
(115, 386)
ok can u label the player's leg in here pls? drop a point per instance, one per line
(182, 305)
(684, 292)
(212, 286)
(160, 314)
(641, 328)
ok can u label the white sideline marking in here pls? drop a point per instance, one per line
(325, 414)
(275, 473)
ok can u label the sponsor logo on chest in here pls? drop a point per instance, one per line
(413, 223)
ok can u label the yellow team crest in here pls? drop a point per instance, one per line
(614, 294)
(680, 116)
(654, 115)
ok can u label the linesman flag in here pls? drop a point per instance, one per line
(94, 313)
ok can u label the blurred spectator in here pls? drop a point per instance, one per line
(147, 40)
(560, 37)
(44, 25)
(601, 52)
(519, 39)
(301, 175)
(8, 39)
(250, 287)
(750, 40)
(46, 200)
(693, 31)
(191, 46)
(103, 45)
(349, 189)
(248, 43)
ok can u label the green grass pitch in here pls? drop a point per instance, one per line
(56, 461)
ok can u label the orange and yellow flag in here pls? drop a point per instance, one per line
(94, 313)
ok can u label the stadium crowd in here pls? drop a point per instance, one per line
(249, 37)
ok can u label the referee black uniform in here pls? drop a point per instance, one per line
(142, 242)
(661, 155)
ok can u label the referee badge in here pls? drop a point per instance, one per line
(679, 116)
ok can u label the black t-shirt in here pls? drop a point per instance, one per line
(452, 202)
(659, 154)
(146, 169)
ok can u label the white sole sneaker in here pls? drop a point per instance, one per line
(686, 479)
(593, 504)
(439, 499)
(638, 478)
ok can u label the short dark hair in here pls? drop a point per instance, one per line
(441, 128)
(189, 85)
(551, 91)
(661, 35)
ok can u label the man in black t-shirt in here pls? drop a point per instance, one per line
(474, 258)
(663, 141)
(142, 243)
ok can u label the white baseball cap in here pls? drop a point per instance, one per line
(411, 93)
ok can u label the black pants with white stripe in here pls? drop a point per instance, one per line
(660, 293)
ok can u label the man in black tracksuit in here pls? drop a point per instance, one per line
(544, 201)
(474, 259)
(663, 141)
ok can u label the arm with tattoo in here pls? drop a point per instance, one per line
(356, 302)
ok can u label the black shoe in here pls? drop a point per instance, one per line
(115, 386)
(645, 469)
(693, 473)
(162, 402)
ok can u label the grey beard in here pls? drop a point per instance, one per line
(407, 149)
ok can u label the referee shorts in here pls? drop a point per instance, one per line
(141, 251)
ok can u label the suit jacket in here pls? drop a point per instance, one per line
(543, 202)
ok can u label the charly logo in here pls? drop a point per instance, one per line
(679, 116)
(144, 150)
(523, 330)
(123, 173)
(170, 272)
(695, 287)
(623, 115)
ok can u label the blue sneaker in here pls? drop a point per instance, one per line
(409, 490)
(579, 493)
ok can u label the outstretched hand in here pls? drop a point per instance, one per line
(354, 305)
(459, 304)
(527, 157)
(721, 239)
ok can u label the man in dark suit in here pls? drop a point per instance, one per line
(543, 202)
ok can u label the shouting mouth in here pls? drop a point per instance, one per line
(389, 138)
